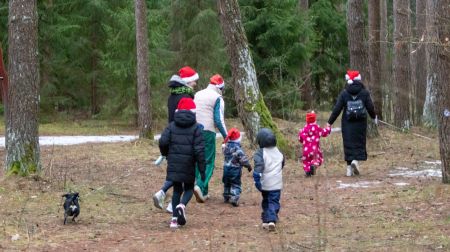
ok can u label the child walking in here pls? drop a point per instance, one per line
(268, 178)
(310, 136)
(235, 159)
(183, 145)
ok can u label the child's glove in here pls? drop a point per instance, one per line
(159, 160)
(257, 179)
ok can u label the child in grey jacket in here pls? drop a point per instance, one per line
(269, 162)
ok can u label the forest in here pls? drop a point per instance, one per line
(98, 67)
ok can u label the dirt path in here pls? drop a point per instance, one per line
(329, 212)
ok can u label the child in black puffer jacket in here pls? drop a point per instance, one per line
(183, 145)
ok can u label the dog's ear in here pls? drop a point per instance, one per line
(76, 194)
(65, 195)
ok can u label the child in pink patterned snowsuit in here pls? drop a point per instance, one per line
(310, 136)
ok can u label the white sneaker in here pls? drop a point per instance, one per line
(355, 167)
(169, 207)
(158, 199)
(349, 171)
(181, 220)
(198, 194)
(271, 226)
(174, 223)
(265, 225)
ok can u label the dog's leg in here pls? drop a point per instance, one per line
(65, 218)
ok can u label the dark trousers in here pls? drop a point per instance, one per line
(179, 189)
(231, 182)
(167, 185)
(270, 205)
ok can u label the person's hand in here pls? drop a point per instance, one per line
(328, 125)
(376, 120)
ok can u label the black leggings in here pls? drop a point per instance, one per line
(349, 162)
(185, 189)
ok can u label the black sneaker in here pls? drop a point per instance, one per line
(181, 220)
(308, 174)
(312, 170)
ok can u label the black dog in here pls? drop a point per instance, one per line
(71, 206)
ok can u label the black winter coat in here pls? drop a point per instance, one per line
(172, 102)
(183, 144)
(353, 132)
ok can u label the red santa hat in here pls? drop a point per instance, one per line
(217, 80)
(352, 75)
(188, 74)
(233, 135)
(186, 104)
(311, 117)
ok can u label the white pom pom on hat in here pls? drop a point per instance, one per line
(352, 75)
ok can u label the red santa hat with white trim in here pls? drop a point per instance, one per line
(352, 75)
(188, 74)
(217, 80)
(186, 104)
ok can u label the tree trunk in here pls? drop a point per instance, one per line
(430, 112)
(421, 70)
(374, 62)
(22, 137)
(250, 103)
(438, 54)
(358, 49)
(385, 63)
(144, 118)
(356, 37)
(3, 80)
(402, 117)
(306, 89)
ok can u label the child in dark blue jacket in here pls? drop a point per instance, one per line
(268, 176)
(183, 144)
(235, 159)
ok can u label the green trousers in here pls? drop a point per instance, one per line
(210, 156)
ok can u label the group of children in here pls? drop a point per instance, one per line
(183, 146)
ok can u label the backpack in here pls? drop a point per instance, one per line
(356, 109)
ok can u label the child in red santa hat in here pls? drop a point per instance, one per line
(235, 159)
(310, 136)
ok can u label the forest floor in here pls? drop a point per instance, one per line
(398, 203)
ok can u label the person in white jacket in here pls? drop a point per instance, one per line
(268, 176)
(210, 114)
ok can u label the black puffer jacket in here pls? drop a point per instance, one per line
(183, 144)
(353, 132)
(177, 91)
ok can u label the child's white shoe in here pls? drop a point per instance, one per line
(355, 167)
(173, 223)
(169, 207)
(271, 226)
(349, 171)
(158, 199)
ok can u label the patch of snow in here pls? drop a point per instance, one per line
(437, 162)
(72, 140)
(418, 173)
(336, 129)
(401, 184)
(15, 237)
(361, 184)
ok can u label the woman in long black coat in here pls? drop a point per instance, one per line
(353, 127)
